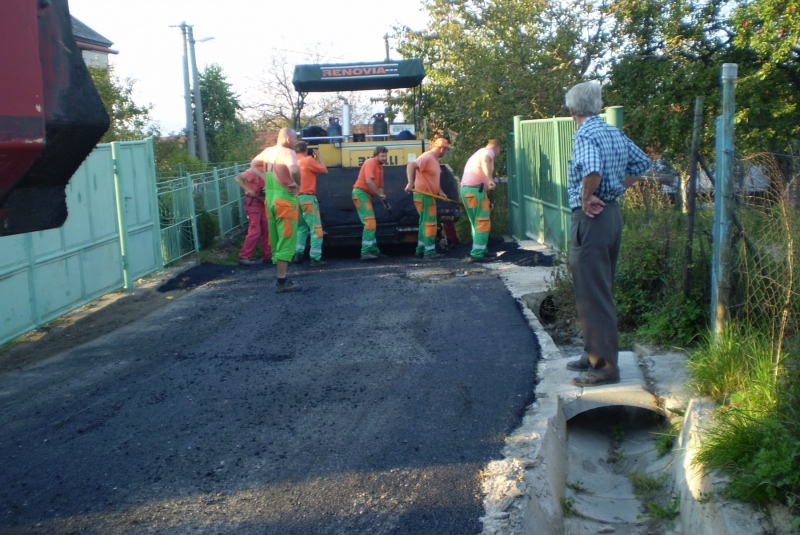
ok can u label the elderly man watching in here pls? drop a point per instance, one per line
(604, 163)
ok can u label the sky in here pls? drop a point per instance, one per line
(245, 33)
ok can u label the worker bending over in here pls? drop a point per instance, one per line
(476, 183)
(423, 179)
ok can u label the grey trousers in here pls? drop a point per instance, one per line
(593, 253)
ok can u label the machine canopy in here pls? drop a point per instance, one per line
(358, 76)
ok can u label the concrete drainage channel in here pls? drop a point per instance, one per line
(596, 460)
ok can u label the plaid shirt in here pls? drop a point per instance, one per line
(602, 148)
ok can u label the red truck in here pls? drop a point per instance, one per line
(51, 116)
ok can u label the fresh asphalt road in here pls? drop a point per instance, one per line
(368, 403)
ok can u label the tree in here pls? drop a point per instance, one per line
(277, 105)
(128, 119)
(228, 136)
(489, 60)
(673, 52)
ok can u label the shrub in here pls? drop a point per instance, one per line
(207, 229)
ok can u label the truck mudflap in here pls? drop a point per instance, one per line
(340, 220)
(51, 116)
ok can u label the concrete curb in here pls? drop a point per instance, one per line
(523, 492)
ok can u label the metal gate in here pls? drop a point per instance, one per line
(537, 186)
(110, 238)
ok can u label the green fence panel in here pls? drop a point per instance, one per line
(538, 200)
(46, 274)
(181, 199)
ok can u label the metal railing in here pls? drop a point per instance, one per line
(182, 199)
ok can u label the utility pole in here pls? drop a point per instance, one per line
(389, 111)
(187, 93)
(198, 104)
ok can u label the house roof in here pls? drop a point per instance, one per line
(83, 33)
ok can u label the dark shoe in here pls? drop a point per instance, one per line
(297, 258)
(381, 255)
(479, 259)
(587, 380)
(577, 366)
(246, 262)
(489, 254)
(288, 286)
(419, 255)
(317, 263)
(367, 257)
(434, 256)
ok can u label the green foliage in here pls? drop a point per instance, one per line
(740, 360)
(568, 506)
(500, 215)
(664, 442)
(228, 136)
(678, 48)
(491, 60)
(170, 154)
(645, 486)
(756, 437)
(560, 306)
(128, 120)
(668, 512)
(207, 229)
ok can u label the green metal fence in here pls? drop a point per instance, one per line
(537, 171)
(182, 199)
(109, 239)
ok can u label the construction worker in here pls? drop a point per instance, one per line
(369, 184)
(257, 230)
(476, 183)
(281, 174)
(311, 164)
(423, 176)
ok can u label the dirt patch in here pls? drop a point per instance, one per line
(106, 314)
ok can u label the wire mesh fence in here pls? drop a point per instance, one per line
(764, 277)
(181, 199)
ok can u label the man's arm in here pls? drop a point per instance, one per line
(592, 205)
(375, 189)
(488, 170)
(240, 180)
(321, 169)
(294, 172)
(411, 174)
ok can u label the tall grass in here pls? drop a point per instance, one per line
(755, 439)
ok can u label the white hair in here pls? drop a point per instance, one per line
(584, 99)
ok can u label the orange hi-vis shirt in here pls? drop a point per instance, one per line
(473, 170)
(309, 168)
(371, 169)
(428, 174)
